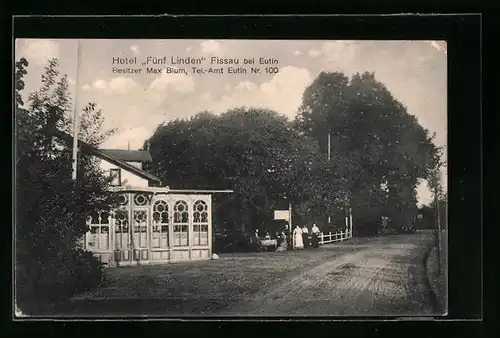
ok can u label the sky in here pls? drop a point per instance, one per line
(415, 72)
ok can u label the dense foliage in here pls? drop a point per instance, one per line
(254, 152)
(379, 153)
(380, 149)
(51, 207)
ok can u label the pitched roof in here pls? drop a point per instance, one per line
(129, 155)
(91, 150)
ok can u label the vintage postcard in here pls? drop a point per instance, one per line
(230, 178)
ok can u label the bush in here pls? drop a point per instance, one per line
(55, 278)
(366, 229)
(87, 271)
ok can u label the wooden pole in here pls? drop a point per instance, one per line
(329, 146)
(350, 222)
(346, 218)
(76, 116)
(438, 224)
(329, 157)
(290, 224)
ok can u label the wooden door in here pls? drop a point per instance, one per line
(139, 237)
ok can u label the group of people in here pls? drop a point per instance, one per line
(301, 237)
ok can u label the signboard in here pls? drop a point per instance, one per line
(282, 214)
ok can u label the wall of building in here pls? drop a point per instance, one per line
(128, 179)
(152, 229)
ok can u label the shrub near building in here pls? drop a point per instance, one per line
(51, 207)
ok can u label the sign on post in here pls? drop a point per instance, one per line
(282, 215)
(285, 215)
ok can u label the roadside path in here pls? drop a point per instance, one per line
(383, 278)
(361, 276)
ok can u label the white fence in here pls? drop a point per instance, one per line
(334, 237)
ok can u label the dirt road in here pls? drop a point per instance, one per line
(385, 277)
(360, 277)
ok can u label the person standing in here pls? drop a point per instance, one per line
(315, 233)
(298, 242)
(257, 240)
(305, 236)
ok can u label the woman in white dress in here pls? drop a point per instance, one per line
(298, 243)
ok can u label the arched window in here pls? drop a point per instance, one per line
(181, 223)
(161, 219)
(139, 238)
(122, 222)
(200, 223)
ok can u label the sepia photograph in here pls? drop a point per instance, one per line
(230, 178)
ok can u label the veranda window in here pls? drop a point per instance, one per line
(98, 238)
(200, 223)
(122, 234)
(161, 219)
(139, 238)
(181, 224)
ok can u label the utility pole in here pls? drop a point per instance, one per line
(290, 224)
(76, 116)
(329, 157)
(329, 145)
(438, 228)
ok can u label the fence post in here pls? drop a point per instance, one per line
(111, 230)
(350, 222)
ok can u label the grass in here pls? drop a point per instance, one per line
(200, 287)
(437, 269)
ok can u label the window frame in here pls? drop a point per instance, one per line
(183, 226)
(118, 172)
(159, 225)
(200, 223)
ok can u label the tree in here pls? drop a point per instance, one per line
(51, 207)
(378, 147)
(91, 125)
(436, 186)
(429, 214)
(255, 152)
(19, 83)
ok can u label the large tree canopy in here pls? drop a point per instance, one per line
(379, 152)
(381, 149)
(257, 153)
